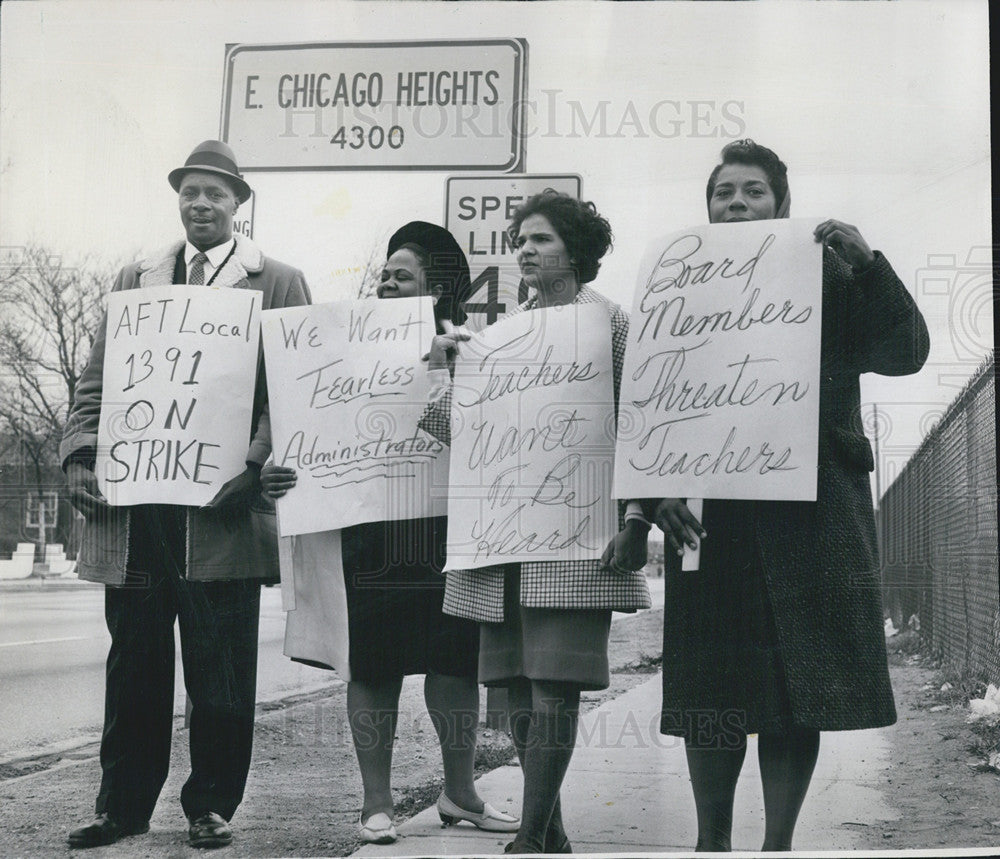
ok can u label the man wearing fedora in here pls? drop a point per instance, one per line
(163, 562)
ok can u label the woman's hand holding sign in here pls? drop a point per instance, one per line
(678, 524)
(444, 347)
(627, 550)
(847, 241)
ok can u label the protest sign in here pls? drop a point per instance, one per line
(720, 392)
(533, 440)
(179, 370)
(346, 387)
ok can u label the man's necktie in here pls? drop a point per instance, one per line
(197, 277)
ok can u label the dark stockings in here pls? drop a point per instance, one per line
(543, 722)
(714, 773)
(786, 766)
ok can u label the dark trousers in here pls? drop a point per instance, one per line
(218, 632)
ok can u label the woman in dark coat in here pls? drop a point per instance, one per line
(779, 632)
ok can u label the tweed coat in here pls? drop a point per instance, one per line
(819, 560)
(478, 594)
(219, 547)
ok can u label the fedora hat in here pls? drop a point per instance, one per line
(212, 156)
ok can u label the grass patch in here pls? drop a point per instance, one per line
(985, 739)
(495, 749)
(646, 664)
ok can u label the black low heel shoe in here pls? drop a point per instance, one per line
(104, 830)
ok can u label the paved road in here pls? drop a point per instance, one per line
(53, 644)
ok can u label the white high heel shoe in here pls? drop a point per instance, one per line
(378, 829)
(489, 819)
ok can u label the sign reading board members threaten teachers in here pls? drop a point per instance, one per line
(179, 370)
(720, 391)
(420, 105)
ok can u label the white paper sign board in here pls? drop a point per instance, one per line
(720, 392)
(179, 369)
(533, 440)
(477, 211)
(431, 105)
(346, 386)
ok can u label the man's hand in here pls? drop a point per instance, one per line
(626, 552)
(84, 493)
(679, 524)
(238, 492)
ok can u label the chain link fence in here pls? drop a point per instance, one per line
(938, 534)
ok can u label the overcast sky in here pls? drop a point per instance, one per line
(880, 110)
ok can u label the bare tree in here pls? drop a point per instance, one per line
(370, 273)
(49, 313)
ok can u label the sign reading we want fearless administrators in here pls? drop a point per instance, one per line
(432, 105)
(532, 426)
(720, 391)
(346, 386)
(179, 369)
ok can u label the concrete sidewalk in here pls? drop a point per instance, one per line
(627, 792)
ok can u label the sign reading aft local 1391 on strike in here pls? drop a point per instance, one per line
(477, 212)
(442, 105)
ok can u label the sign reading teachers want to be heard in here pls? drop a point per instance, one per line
(532, 445)
(180, 364)
(720, 391)
(420, 105)
(346, 386)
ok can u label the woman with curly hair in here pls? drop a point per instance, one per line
(544, 625)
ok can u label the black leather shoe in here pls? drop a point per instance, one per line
(103, 831)
(209, 830)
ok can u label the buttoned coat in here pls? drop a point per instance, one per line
(819, 559)
(478, 594)
(219, 547)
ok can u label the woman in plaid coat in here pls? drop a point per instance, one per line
(544, 625)
(779, 632)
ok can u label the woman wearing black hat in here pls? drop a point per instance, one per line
(394, 584)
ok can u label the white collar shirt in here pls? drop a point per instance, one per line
(216, 257)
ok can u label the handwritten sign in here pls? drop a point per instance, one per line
(346, 387)
(179, 370)
(720, 392)
(533, 440)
